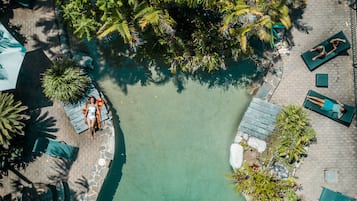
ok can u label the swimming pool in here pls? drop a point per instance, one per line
(176, 143)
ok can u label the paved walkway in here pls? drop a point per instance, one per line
(336, 147)
(37, 30)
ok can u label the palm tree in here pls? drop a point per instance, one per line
(173, 27)
(241, 20)
(63, 81)
(294, 133)
(260, 184)
(11, 118)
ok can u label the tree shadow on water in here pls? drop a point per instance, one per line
(129, 68)
(127, 72)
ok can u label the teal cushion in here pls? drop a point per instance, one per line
(321, 80)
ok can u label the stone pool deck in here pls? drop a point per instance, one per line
(335, 154)
(335, 150)
(37, 30)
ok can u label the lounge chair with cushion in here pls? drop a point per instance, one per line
(346, 119)
(55, 148)
(313, 64)
(330, 195)
(75, 114)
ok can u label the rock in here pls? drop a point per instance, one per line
(236, 156)
(257, 144)
(245, 136)
(280, 170)
(238, 139)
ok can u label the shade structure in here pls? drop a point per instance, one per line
(12, 54)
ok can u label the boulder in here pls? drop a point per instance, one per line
(238, 138)
(257, 144)
(236, 156)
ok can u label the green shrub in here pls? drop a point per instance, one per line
(63, 81)
(294, 134)
(261, 184)
(11, 118)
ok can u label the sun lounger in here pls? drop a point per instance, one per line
(346, 119)
(307, 56)
(75, 114)
(330, 195)
(55, 148)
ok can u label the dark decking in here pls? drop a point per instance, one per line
(260, 119)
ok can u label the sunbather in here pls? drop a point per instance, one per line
(92, 111)
(328, 105)
(322, 50)
(335, 42)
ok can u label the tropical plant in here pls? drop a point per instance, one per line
(260, 184)
(63, 81)
(81, 18)
(294, 133)
(11, 118)
(189, 35)
(290, 195)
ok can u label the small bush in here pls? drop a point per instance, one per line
(63, 81)
(11, 118)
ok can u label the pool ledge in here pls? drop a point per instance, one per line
(106, 154)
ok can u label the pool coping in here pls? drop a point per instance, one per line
(107, 146)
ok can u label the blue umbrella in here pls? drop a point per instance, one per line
(12, 54)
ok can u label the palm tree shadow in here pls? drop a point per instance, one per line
(83, 182)
(81, 189)
(298, 23)
(39, 125)
(60, 170)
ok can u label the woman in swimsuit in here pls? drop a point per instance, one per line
(335, 42)
(322, 51)
(91, 113)
(328, 105)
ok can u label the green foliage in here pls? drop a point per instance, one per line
(294, 133)
(11, 118)
(260, 184)
(291, 196)
(63, 81)
(190, 34)
(81, 17)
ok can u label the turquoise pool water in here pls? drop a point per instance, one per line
(176, 143)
